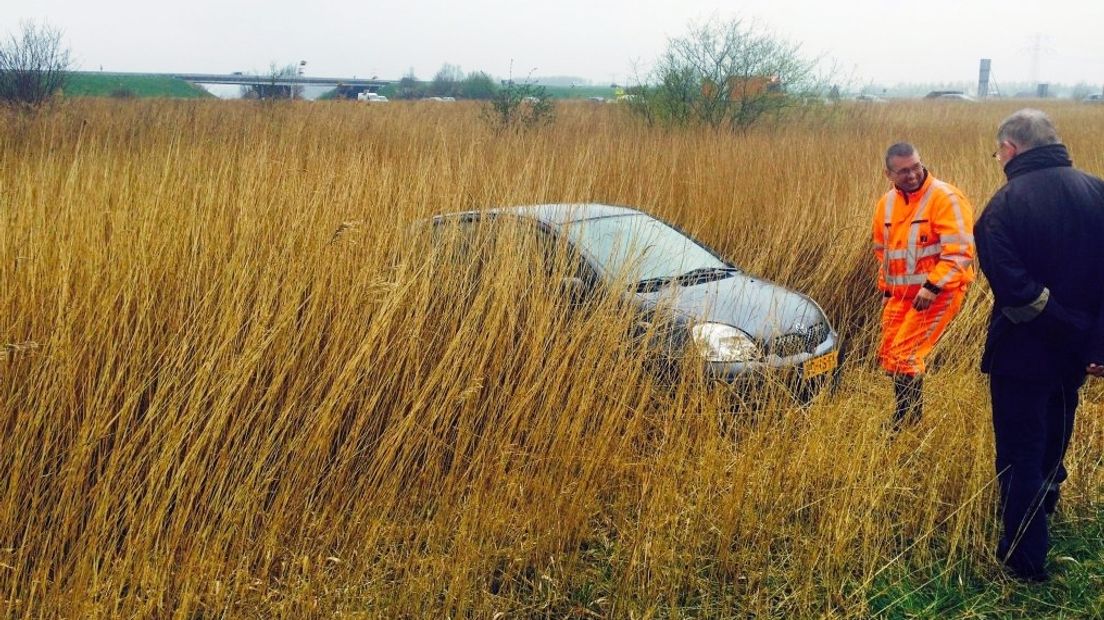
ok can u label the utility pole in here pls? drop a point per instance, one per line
(1037, 49)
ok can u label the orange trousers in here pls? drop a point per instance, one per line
(909, 335)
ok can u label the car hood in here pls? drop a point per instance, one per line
(759, 307)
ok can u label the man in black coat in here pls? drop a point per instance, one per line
(1040, 242)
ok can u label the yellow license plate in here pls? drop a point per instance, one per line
(820, 365)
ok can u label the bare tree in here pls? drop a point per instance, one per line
(447, 81)
(726, 74)
(273, 88)
(34, 65)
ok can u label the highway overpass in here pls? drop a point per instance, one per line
(246, 79)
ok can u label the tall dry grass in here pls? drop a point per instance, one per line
(236, 380)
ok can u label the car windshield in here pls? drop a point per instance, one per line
(640, 247)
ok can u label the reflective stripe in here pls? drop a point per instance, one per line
(962, 263)
(1023, 314)
(879, 246)
(907, 279)
(962, 239)
(929, 250)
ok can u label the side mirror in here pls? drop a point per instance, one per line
(573, 289)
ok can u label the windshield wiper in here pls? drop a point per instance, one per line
(702, 274)
(650, 285)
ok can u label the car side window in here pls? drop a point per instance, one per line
(561, 257)
(456, 241)
(471, 244)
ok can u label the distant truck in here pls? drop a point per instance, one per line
(373, 97)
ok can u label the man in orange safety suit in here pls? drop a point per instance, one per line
(924, 243)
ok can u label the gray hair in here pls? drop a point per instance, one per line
(901, 149)
(1027, 129)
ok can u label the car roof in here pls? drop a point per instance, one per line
(552, 214)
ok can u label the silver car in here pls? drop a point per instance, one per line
(742, 327)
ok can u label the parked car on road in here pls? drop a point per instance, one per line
(1094, 98)
(740, 326)
(955, 97)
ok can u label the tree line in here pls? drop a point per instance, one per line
(723, 74)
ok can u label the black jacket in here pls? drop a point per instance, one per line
(1044, 230)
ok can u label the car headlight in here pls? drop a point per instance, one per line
(723, 343)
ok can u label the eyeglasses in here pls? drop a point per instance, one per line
(917, 169)
(997, 153)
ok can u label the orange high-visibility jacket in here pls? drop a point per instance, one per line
(926, 236)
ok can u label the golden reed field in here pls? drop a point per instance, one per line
(237, 380)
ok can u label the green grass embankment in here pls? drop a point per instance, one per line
(118, 85)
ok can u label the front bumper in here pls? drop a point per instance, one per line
(788, 373)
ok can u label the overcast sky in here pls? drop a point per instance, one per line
(875, 41)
